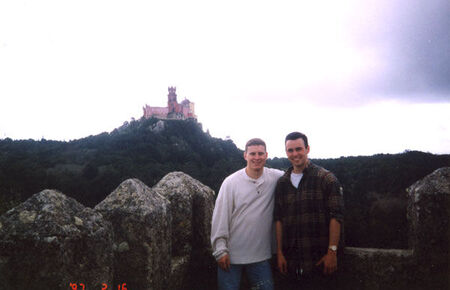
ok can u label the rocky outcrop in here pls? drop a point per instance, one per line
(158, 127)
(50, 241)
(141, 221)
(192, 205)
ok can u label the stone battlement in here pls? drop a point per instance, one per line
(158, 238)
(426, 264)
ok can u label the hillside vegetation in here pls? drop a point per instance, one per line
(89, 169)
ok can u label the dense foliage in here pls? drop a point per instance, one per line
(375, 194)
(89, 169)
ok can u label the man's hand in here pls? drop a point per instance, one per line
(282, 264)
(224, 262)
(329, 262)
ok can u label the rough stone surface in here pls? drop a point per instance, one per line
(142, 235)
(50, 241)
(174, 187)
(192, 205)
(428, 215)
(426, 264)
(365, 268)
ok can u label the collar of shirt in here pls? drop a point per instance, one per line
(287, 175)
(258, 182)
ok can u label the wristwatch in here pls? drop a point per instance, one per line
(333, 248)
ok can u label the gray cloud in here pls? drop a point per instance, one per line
(413, 39)
(410, 43)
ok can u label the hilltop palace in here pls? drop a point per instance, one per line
(184, 110)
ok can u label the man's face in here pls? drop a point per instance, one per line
(297, 153)
(255, 156)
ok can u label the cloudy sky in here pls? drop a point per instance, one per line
(358, 77)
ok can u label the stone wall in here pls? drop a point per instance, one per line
(426, 264)
(158, 238)
(141, 237)
(50, 241)
(365, 268)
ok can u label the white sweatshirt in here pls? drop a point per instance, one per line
(243, 217)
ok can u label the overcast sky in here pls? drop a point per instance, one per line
(358, 77)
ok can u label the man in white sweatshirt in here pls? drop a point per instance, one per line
(242, 223)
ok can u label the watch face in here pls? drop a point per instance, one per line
(333, 248)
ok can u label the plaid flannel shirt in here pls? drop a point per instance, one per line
(305, 214)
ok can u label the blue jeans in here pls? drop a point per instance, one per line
(259, 275)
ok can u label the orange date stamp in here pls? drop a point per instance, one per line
(81, 286)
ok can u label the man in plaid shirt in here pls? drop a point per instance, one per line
(308, 214)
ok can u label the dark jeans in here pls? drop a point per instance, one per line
(312, 281)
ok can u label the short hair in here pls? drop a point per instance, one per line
(255, 142)
(295, 136)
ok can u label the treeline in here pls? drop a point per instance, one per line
(89, 169)
(375, 194)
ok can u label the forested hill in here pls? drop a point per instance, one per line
(89, 169)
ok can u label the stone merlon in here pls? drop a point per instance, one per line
(157, 238)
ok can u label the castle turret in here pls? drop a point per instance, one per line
(172, 103)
